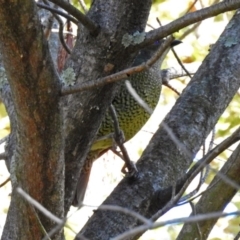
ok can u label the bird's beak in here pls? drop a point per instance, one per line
(175, 43)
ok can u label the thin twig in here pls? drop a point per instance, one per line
(149, 25)
(59, 12)
(93, 29)
(197, 167)
(61, 28)
(199, 217)
(225, 179)
(215, 152)
(194, 214)
(83, 5)
(171, 87)
(193, 172)
(4, 139)
(180, 202)
(204, 148)
(180, 63)
(5, 182)
(125, 211)
(171, 73)
(212, 140)
(60, 33)
(175, 139)
(119, 75)
(65, 32)
(46, 212)
(192, 5)
(60, 225)
(40, 224)
(203, 177)
(190, 30)
(39, 206)
(187, 20)
(122, 210)
(189, 197)
(138, 99)
(49, 234)
(142, 103)
(3, 156)
(222, 177)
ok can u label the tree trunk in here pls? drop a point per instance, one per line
(37, 165)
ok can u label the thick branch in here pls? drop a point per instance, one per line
(119, 75)
(152, 36)
(89, 58)
(189, 19)
(191, 119)
(213, 200)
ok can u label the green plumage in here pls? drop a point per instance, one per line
(131, 115)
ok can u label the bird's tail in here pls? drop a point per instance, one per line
(85, 175)
(82, 182)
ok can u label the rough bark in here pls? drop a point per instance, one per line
(35, 90)
(90, 55)
(191, 119)
(213, 200)
(37, 164)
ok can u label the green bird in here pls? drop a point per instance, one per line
(131, 116)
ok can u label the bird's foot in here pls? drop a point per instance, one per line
(130, 170)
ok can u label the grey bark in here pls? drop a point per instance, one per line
(191, 119)
(215, 199)
(88, 59)
(37, 161)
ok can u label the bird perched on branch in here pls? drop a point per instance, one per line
(131, 116)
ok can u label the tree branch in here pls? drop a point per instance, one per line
(211, 201)
(188, 19)
(191, 119)
(119, 75)
(86, 22)
(152, 36)
(162, 197)
(85, 111)
(192, 219)
(59, 12)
